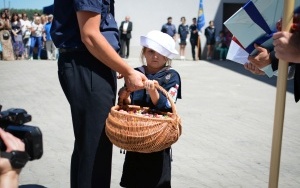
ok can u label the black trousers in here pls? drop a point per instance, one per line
(90, 88)
(147, 170)
(194, 44)
(125, 42)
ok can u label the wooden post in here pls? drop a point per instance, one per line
(199, 51)
(280, 102)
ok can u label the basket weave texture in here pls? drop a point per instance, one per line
(143, 134)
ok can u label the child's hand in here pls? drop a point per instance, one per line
(123, 96)
(150, 85)
(120, 76)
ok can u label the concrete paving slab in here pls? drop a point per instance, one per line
(227, 115)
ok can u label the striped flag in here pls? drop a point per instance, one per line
(201, 19)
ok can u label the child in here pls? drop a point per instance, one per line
(153, 170)
(183, 31)
(221, 44)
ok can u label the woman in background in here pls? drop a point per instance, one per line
(183, 31)
(16, 33)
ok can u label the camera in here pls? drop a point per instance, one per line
(12, 121)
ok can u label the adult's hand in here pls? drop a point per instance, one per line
(261, 59)
(287, 46)
(9, 176)
(252, 68)
(135, 80)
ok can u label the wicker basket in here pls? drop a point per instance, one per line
(143, 134)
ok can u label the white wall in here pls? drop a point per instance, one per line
(148, 15)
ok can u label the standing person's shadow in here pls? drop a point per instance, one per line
(31, 186)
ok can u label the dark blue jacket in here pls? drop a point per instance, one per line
(166, 78)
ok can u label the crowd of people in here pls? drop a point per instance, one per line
(183, 35)
(26, 38)
(220, 43)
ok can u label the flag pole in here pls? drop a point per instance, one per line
(280, 102)
(200, 24)
(199, 51)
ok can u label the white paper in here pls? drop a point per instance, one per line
(246, 31)
(236, 53)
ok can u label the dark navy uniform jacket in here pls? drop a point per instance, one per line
(65, 31)
(166, 78)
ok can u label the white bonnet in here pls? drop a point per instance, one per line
(160, 42)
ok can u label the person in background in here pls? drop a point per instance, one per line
(221, 46)
(50, 47)
(44, 21)
(5, 22)
(194, 37)
(87, 65)
(26, 32)
(152, 170)
(228, 36)
(17, 38)
(210, 35)
(125, 36)
(183, 32)
(36, 37)
(169, 28)
(6, 37)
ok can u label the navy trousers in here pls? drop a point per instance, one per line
(90, 88)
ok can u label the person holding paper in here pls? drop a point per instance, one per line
(266, 62)
(286, 48)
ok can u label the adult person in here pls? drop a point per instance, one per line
(286, 47)
(87, 63)
(194, 37)
(9, 176)
(36, 37)
(5, 37)
(50, 47)
(268, 62)
(169, 28)
(17, 37)
(26, 32)
(210, 34)
(125, 36)
(183, 32)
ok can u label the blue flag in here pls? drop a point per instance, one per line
(201, 19)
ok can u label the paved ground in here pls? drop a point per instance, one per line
(227, 117)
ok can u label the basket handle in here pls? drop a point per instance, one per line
(123, 97)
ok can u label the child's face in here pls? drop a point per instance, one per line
(155, 61)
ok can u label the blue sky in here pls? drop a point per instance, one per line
(25, 4)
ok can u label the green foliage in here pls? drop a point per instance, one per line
(29, 12)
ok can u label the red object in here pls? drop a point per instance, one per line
(237, 41)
